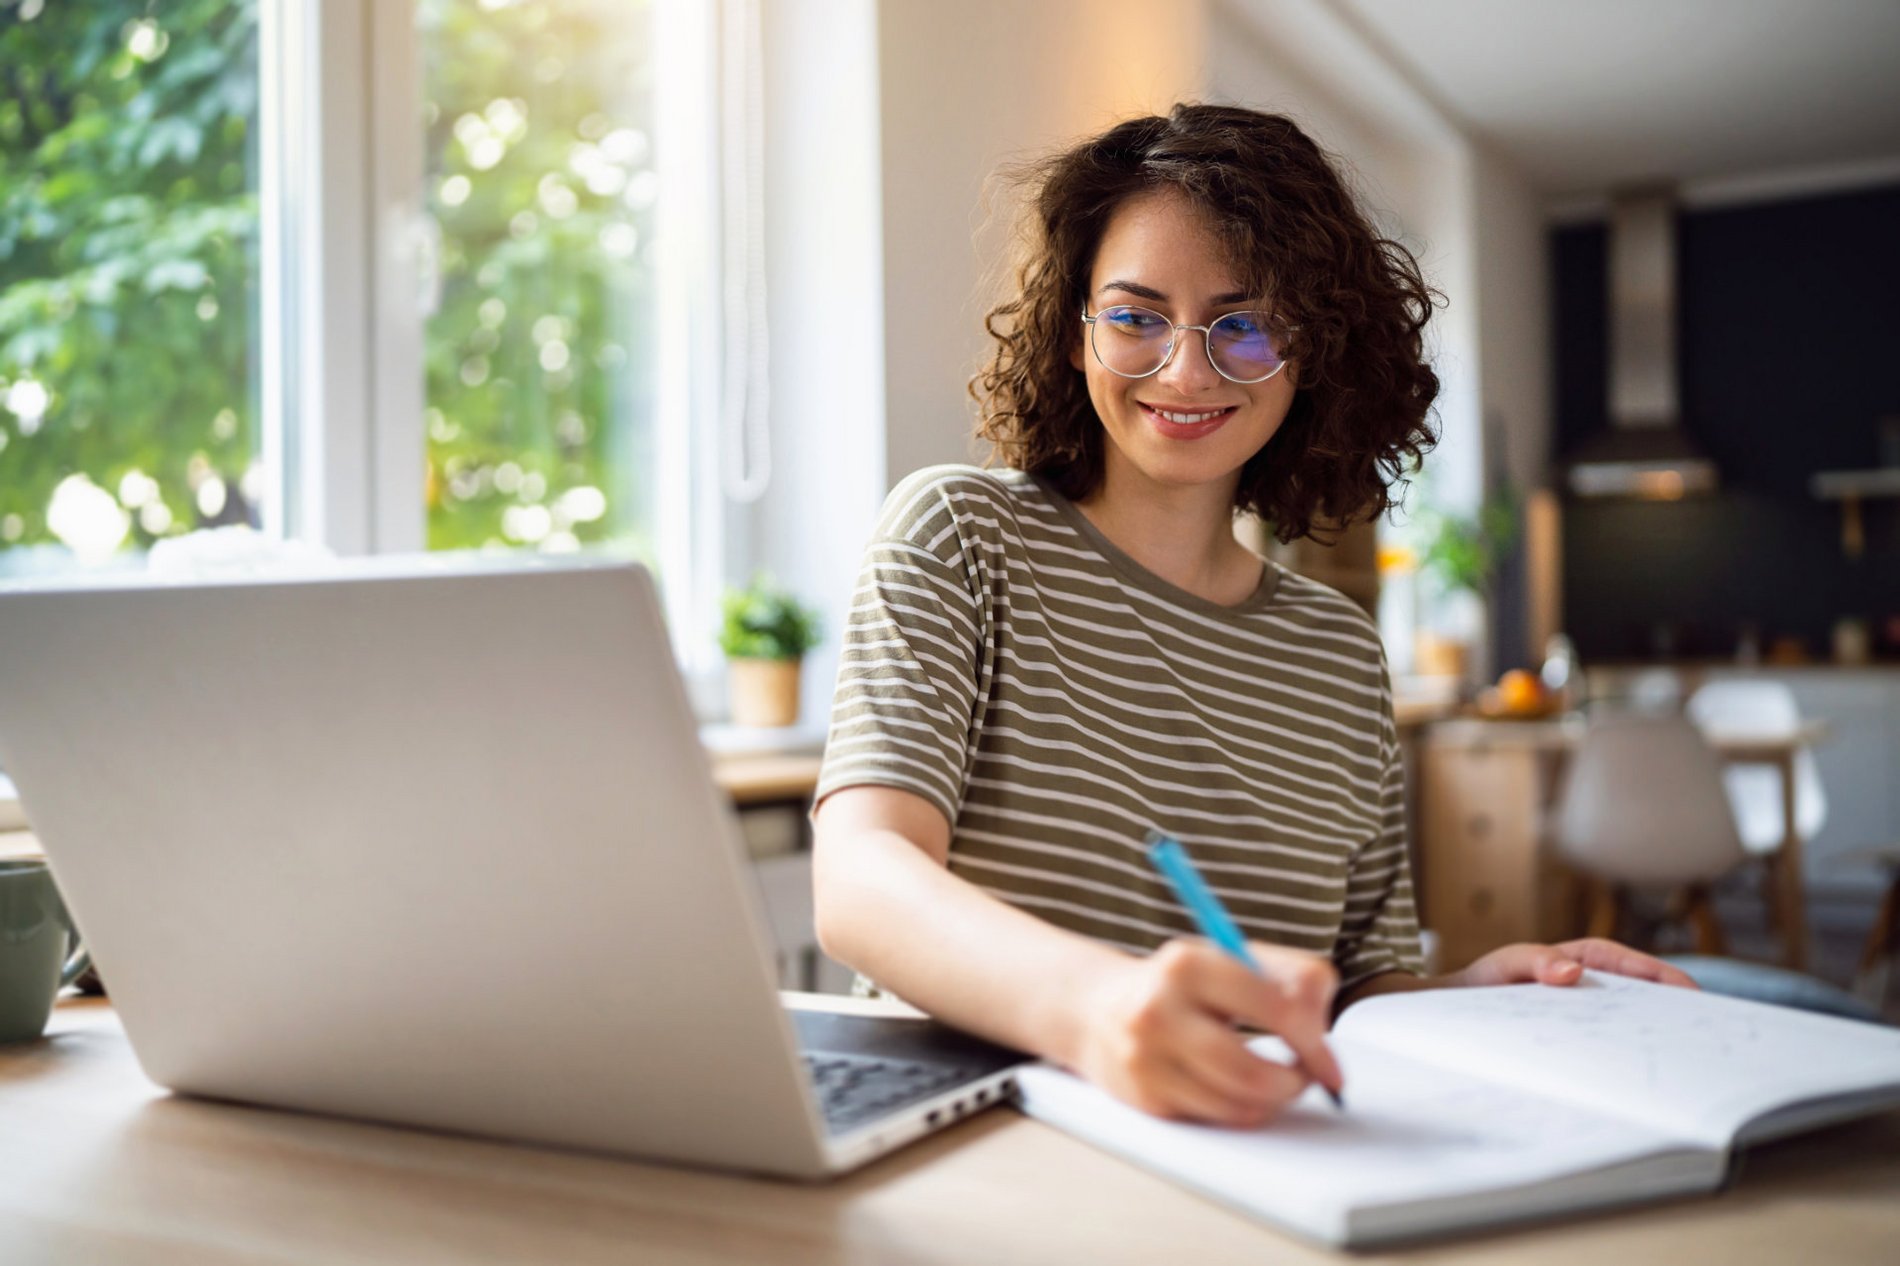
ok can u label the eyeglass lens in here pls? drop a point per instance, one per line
(1135, 342)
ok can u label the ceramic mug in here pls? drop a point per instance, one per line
(40, 952)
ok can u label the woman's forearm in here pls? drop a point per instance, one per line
(888, 909)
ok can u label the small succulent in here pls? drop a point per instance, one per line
(763, 621)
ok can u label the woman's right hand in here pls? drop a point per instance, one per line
(1159, 1032)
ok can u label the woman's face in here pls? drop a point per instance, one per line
(1185, 425)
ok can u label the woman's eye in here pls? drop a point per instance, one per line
(1242, 325)
(1134, 322)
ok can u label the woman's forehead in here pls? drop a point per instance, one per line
(1161, 246)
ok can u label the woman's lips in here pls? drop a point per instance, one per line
(1209, 421)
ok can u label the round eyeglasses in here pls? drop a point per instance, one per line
(1137, 342)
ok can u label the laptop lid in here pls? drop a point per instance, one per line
(409, 843)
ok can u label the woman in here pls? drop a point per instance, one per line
(1045, 662)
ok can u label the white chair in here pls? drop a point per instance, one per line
(1643, 806)
(1655, 690)
(1765, 708)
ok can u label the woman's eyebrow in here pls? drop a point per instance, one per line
(1140, 291)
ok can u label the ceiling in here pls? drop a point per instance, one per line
(1586, 95)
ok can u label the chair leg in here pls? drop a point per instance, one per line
(1605, 910)
(1771, 893)
(1700, 910)
(1883, 939)
(1790, 913)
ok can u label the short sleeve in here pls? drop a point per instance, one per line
(909, 678)
(1379, 930)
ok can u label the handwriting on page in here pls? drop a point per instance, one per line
(1665, 1055)
(1417, 1130)
(1411, 1131)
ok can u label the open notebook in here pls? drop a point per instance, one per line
(1468, 1108)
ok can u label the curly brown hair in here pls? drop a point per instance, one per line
(1356, 304)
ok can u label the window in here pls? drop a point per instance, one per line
(375, 276)
(129, 359)
(541, 189)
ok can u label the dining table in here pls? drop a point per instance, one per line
(1469, 821)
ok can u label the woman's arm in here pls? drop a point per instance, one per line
(1157, 1032)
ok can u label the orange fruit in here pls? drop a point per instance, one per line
(1521, 692)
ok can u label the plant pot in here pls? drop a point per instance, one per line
(763, 692)
(1436, 655)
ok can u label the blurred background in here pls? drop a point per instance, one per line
(698, 281)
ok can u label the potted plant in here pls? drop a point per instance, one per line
(765, 632)
(1459, 556)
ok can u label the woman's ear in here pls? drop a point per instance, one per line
(1075, 356)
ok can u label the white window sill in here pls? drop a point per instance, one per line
(11, 817)
(722, 739)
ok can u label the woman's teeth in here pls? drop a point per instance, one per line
(1187, 419)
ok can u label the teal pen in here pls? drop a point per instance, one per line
(1172, 860)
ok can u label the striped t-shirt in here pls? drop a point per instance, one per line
(1056, 701)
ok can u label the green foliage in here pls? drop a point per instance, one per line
(540, 356)
(128, 239)
(1462, 552)
(129, 273)
(763, 621)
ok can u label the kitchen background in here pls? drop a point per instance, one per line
(1789, 360)
(1489, 136)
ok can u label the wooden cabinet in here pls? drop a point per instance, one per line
(1486, 877)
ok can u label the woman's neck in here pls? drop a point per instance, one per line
(1183, 534)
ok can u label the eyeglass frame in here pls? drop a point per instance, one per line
(1174, 343)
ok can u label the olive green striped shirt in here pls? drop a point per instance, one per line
(1056, 700)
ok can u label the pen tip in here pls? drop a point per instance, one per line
(1339, 1100)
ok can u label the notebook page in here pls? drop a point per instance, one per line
(1411, 1133)
(1691, 1063)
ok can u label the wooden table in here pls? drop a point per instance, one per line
(99, 1165)
(1483, 869)
(1784, 864)
(767, 778)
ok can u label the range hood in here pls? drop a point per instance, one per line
(1644, 453)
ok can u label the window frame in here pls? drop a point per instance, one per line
(345, 278)
(348, 249)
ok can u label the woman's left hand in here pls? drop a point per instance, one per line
(1564, 964)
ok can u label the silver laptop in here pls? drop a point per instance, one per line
(437, 847)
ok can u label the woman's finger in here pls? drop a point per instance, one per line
(1603, 955)
(1212, 1051)
(1523, 964)
(1185, 1094)
(1290, 996)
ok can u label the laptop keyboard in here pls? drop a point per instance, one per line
(854, 1089)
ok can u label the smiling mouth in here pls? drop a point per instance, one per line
(1187, 422)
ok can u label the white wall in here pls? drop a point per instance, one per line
(1514, 321)
(966, 87)
(824, 262)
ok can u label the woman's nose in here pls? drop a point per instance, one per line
(1188, 369)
